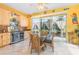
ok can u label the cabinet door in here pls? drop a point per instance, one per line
(1, 37)
(23, 21)
(6, 18)
(6, 39)
(1, 16)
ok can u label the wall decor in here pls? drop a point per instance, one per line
(53, 10)
(66, 8)
(45, 12)
(74, 18)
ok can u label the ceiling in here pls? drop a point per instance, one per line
(30, 8)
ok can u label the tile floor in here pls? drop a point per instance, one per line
(61, 47)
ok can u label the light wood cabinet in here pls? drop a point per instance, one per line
(1, 16)
(6, 39)
(1, 37)
(72, 38)
(6, 18)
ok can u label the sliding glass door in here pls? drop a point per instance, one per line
(55, 24)
(59, 24)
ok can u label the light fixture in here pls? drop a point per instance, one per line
(40, 6)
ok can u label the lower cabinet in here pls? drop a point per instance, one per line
(1, 37)
(4, 39)
(73, 38)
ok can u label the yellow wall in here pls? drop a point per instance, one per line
(70, 25)
(72, 9)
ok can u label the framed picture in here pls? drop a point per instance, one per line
(74, 18)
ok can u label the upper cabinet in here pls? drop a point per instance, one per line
(1, 16)
(23, 21)
(4, 17)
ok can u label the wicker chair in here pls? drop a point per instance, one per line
(37, 44)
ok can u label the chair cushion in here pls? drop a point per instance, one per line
(48, 41)
(49, 38)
